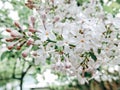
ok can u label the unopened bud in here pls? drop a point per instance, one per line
(30, 42)
(15, 34)
(10, 39)
(32, 30)
(30, 4)
(10, 47)
(18, 48)
(20, 45)
(34, 53)
(17, 25)
(33, 20)
(25, 54)
(8, 30)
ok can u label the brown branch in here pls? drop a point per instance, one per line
(24, 73)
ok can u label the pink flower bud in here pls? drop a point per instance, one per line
(20, 45)
(10, 39)
(30, 42)
(15, 34)
(8, 30)
(25, 54)
(10, 47)
(32, 30)
(17, 25)
(33, 20)
(18, 48)
(34, 53)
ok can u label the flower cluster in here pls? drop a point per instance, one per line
(77, 40)
(19, 38)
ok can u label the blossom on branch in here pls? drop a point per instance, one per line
(75, 39)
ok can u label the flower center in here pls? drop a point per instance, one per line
(82, 41)
(47, 34)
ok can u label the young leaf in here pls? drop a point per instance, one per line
(5, 55)
(92, 55)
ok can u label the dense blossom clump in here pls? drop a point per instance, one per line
(76, 39)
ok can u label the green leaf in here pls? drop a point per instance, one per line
(88, 74)
(48, 60)
(99, 50)
(102, 2)
(113, 8)
(92, 55)
(80, 2)
(35, 47)
(118, 1)
(5, 55)
(59, 37)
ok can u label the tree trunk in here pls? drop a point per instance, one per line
(21, 84)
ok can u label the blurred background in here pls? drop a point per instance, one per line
(17, 73)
